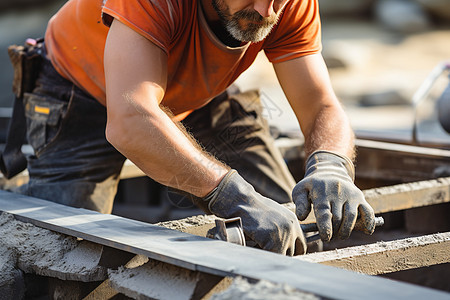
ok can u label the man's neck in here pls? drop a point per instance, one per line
(216, 25)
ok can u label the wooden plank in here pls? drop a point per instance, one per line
(405, 138)
(404, 196)
(388, 257)
(418, 150)
(206, 255)
(409, 195)
(388, 162)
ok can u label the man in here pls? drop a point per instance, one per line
(161, 61)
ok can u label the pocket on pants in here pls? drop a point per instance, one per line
(44, 115)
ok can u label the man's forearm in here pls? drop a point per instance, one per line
(136, 79)
(330, 131)
(161, 149)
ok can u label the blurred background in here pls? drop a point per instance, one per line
(378, 52)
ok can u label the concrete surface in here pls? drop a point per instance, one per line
(12, 284)
(43, 252)
(242, 289)
(154, 280)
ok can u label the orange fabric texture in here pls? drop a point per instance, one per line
(199, 65)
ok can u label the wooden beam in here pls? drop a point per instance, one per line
(405, 196)
(207, 255)
(403, 138)
(409, 195)
(399, 163)
(388, 257)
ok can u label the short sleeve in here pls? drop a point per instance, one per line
(156, 20)
(297, 34)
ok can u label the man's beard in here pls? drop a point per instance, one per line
(255, 27)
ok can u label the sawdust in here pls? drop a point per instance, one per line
(244, 290)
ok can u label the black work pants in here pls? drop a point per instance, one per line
(73, 163)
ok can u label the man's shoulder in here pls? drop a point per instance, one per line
(298, 8)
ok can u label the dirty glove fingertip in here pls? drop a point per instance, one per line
(367, 218)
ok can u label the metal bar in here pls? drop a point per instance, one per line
(207, 255)
(388, 257)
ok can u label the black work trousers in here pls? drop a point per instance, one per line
(73, 163)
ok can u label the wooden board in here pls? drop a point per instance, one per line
(388, 162)
(388, 257)
(409, 195)
(405, 196)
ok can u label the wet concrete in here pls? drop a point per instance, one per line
(39, 251)
(154, 280)
(244, 290)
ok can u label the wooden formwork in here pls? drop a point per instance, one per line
(203, 266)
(194, 260)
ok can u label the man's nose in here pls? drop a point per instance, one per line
(264, 7)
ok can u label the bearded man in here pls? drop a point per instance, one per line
(125, 78)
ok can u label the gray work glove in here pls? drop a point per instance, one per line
(270, 225)
(328, 185)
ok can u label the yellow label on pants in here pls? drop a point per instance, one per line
(42, 110)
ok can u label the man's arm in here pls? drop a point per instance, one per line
(136, 75)
(329, 171)
(324, 124)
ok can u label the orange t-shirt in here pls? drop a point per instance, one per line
(199, 65)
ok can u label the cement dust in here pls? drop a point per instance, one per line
(184, 224)
(262, 290)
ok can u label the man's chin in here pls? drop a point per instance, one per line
(250, 36)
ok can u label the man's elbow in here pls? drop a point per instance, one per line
(114, 134)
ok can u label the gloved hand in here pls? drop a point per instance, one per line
(328, 185)
(267, 223)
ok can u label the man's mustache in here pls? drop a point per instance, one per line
(253, 16)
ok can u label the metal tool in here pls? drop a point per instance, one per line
(229, 230)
